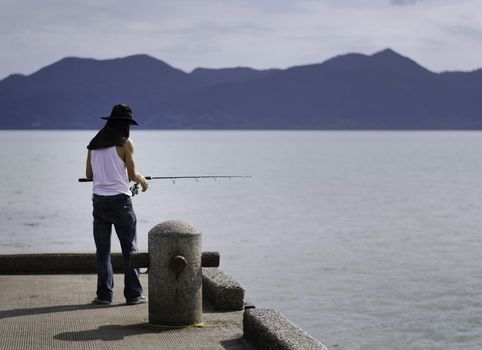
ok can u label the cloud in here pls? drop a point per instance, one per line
(261, 34)
(404, 2)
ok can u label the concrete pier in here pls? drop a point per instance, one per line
(54, 312)
(45, 303)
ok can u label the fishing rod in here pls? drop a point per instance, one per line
(135, 188)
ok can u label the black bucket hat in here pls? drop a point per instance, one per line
(121, 112)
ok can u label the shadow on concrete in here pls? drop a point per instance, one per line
(236, 344)
(52, 309)
(117, 332)
(109, 333)
(207, 308)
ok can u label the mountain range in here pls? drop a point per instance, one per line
(383, 91)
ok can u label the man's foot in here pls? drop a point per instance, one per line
(142, 299)
(101, 302)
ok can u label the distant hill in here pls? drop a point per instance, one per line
(381, 91)
(230, 75)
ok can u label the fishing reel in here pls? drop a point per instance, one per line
(135, 189)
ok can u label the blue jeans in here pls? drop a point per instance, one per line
(115, 210)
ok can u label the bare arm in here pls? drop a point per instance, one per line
(131, 166)
(88, 167)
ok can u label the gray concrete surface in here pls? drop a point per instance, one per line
(222, 290)
(54, 312)
(269, 329)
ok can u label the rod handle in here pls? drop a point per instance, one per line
(84, 179)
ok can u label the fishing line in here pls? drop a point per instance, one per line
(276, 196)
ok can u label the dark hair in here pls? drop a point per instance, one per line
(114, 133)
(122, 129)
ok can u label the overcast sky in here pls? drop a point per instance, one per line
(438, 34)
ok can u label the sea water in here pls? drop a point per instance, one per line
(367, 240)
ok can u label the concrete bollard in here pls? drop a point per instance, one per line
(175, 274)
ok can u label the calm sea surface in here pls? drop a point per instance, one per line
(367, 240)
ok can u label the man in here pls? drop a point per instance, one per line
(110, 163)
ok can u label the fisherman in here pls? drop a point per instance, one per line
(110, 163)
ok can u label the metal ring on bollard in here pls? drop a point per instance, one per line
(178, 263)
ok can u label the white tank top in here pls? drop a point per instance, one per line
(110, 173)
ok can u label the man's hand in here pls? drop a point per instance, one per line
(143, 182)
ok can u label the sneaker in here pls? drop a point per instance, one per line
(142, 299)
(101, 302)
